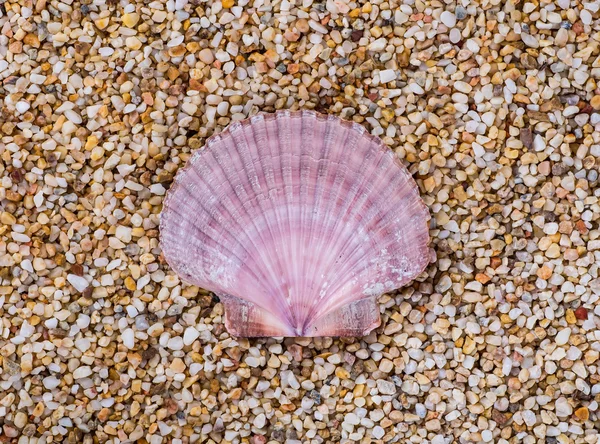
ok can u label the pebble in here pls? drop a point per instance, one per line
(448, 19)
(82, 372)
(563, 335)
(51, 382)
(387, 75)
(493, 108)
(78, 282)
(128, 338)
(190, 335)
(260, 420)
(386, 387)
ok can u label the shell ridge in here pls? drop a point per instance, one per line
(234, 211)
(266, 203)
(356, 318)
(365, 201)
(279, 130)
(332, 214)
(278, 134)
(309, 128)
(358, 252)
(366, 206)
(211, 144)
(344, 212)
(320, 230)
(404, 275)
(302, 140)
(295, 146)
(243, 199)
(209, 233)
(321, 137)
(259, 134)
(373, 221)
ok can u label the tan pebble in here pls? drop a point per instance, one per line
(131, 19)
(20, 420)
(178, 366)
(133, 43)
(7, 218)
(342, 373)
(32, 40)
(38, 410)
(130, 283)
(553, 252)
(582, 413)
(544, 273)
(469, 346)
(571, 254)
(206, 56)
(482, 278)
(102, 23)
(302, 25)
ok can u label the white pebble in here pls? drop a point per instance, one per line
(78, 282)
(128, 338)
(448, 19)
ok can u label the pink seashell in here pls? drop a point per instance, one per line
(298, 222)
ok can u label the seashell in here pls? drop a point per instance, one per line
(298, 222)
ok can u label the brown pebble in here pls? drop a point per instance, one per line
(581, 313)
(526, 137)
(582, 413)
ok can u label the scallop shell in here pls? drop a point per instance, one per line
(298, 222)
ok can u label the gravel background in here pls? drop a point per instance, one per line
(492, 105)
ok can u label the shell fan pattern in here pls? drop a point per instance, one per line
(298, 222)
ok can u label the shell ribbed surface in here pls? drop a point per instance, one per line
(298, 221)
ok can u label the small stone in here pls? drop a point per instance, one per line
(526, 137)
(582, 413)
(387, 75)
(351, 418)
(302, 25)
(581, 313)
(378, 45)
(190, 335)
(22, 107)
(386, 387)
(563, 408)
(159, 16)
(51, 382)
(562, 336)
(101, 23)
(530, 40)
(20, 420)
(178, 366)
(133, 43)
(128, 338)
(82, 372)
(131, 19)
(378, 432)
(448, 19)
(260, 420)
(78, 282)
(206, 56)
(175, 343)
